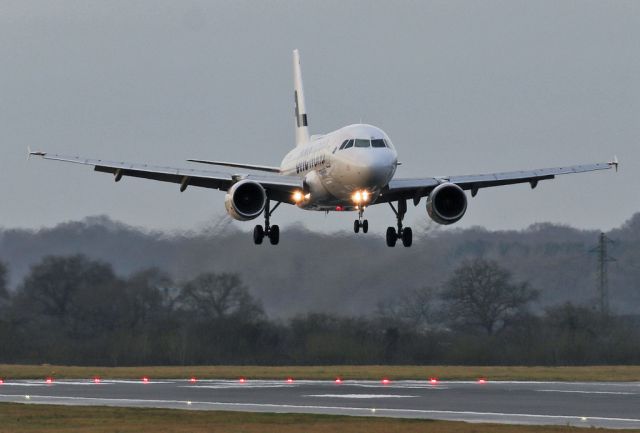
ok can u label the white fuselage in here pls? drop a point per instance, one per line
(346, 178)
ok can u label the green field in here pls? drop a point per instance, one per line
(52, 419)
(373, 372)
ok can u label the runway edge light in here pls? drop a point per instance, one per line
(482, 381)
(192, 379)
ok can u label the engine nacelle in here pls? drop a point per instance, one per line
(245, 200)
(447, 203)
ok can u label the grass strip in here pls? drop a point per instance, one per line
(26, 418)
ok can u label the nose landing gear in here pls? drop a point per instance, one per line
(360, 223)
(270, 231)
(405, 234)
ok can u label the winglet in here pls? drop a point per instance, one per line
(31, 153)
(614, 163)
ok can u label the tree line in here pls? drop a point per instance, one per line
(75, 310)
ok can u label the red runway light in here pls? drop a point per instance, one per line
(482, 381)
(242, 380)
(433, 380)
(289, 380)
(145, 379)
(96, 380)
(193, 380)
(49, 380)
(338, 380)
(1, 381)
(386, 381)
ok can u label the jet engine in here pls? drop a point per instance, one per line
(447, 203)
(245, 200)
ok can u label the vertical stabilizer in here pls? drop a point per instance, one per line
(302, 128)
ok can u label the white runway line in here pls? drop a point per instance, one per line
(358, 410)
(586, 392)
(364, 396)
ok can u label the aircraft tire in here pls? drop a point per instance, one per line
(407, 237)
(258, 234)
(392, 237)
(365, 226)
(274, 235)
(356, 226)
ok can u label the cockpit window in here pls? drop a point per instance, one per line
(349, 144)
(378, 142)
(343, 144)
(362, 143)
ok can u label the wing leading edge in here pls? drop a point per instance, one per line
(279, 188)
(416, 188)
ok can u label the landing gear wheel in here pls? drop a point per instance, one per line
(258, 234)
(407, 237)
(392, 237)
(274, 235)
(365, 226)
(356, 226)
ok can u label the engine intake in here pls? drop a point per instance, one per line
(447, 203)
(245, 200)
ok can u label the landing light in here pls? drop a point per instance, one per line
(297, 197)
(360, 196)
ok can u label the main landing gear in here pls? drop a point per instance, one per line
(270, 231)
(405, 234)
(360, 223)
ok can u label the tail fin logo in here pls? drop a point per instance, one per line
(301, 119)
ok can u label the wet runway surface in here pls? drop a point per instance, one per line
(602, 404)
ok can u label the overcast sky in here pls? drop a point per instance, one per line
(460, 87)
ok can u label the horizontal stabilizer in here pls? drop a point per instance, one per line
(233, 164)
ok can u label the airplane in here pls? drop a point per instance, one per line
(346, 170)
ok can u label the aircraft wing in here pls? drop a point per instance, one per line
(279, 188)
(416, 188)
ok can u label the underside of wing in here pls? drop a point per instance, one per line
(279, 188)
(415, 188)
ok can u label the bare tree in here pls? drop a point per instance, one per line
(220, 295)
(414, 309)
(4, 292)
(480, 294)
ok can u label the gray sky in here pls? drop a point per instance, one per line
(460, 87)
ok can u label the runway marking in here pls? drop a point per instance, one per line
(362, 396)
(337, 408)
(587, 392)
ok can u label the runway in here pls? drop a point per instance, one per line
(602, 404)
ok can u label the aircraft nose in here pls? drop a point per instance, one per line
(376, 167)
